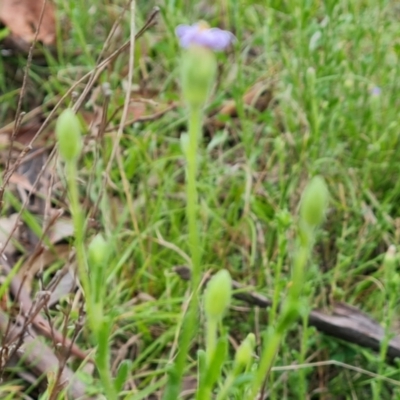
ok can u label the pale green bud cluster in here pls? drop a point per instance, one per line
(199, 67)
(97, 251)
(217, 295)
(68, 132)
(244, 353)
(314, 202)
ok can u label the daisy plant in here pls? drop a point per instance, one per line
(198, 72)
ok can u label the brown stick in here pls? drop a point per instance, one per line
(39, 322)
(343, 322)
(40, 359)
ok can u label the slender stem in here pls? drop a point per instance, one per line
(226, 387)
(102, 361)
(211, 339)
(390, 300)
(192, 198)
(273, 340)
(79, 229)
(277, 277)
(189, 327)
(271, 347)
(203, 392)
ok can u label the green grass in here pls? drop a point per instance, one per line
(321, 60)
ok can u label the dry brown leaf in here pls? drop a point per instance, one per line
(258, 97)
(41, 261)
(22, 18)
(65, 285)
(21, 181)
(4, 140)
(61, 229)
(136, 110)
(6, 226)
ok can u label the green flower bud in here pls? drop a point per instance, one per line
(314, 202)
(244, 353)
(217, 295)
(68, 132)
(199, 68)
(98, 250)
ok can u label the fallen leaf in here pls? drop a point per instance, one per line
(4, 140)
(21, 181)
(22, 18)
(136, 110)
(40, 261)
(6, 226)
(61, 229)
(65, 285)
(257, 97)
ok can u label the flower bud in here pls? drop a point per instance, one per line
(68, 132)
(217, 295)
(314, 202)
(97, 251)
(199, 68)
(244, 353)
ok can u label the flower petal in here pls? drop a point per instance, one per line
(214, 38)
(182, 30)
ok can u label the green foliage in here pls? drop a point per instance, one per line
(320, 61)
(69, 136)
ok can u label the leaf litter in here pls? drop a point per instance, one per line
(37, 235)
(22, 18)
(42, 249)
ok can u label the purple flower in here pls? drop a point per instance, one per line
(201, 34)
(376, 91)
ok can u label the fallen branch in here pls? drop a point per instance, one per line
(40, 358)
(42, 325)
(20, 340)
(343, 322)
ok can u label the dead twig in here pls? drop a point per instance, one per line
(41, 360)
(344, 321)
(98, 69)
(19, 113)
(40, 323)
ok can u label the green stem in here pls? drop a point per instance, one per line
(102, 361)
(211, 339)
(79, 229)
(227, 387)
(289, 308)
(204, 391)
(271, 347)
(277, 277)
(189, 327)
(192, 197)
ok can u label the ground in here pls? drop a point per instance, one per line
(308, 88)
